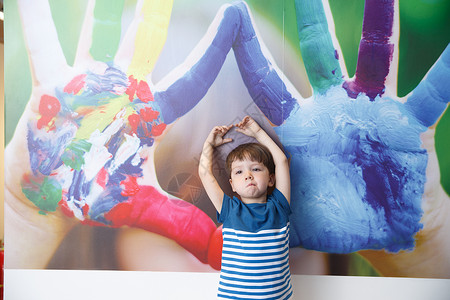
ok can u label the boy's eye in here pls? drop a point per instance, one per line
(238, 172)
(256, 169)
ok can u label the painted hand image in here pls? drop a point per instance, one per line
(363, 165)
(84, 147)
(365, 175)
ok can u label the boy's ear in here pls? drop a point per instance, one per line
(271, 180)
(231, 183)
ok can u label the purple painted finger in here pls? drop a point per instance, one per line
(376, 49)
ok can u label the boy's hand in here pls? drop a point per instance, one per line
(216, 136)
(205, 172)
(248, 126)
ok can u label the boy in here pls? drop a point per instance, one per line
(255, 254)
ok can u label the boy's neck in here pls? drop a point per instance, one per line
(262, 199)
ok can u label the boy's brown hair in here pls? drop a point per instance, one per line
(253, 151)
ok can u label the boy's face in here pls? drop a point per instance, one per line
(250, 179)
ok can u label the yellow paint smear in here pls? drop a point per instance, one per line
(102, 116)
(150, 37)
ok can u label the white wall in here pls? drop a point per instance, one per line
(112, 285)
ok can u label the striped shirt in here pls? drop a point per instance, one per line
(255, 254)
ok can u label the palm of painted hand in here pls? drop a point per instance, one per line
(361, 157)
(358, 173)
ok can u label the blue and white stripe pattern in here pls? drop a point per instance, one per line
(255, 265)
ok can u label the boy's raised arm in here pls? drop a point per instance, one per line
(250, 127)
(212, 187)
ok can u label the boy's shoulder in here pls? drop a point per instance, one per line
(280, 200)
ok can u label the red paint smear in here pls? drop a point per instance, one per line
(173, 218)
(49, 107)
(65, 208)
(131, 90)
(75, 85)
(43, 121)
(134, 121)
(46, 122)
(143, 92)
(102, 177)
(26, 178)
(120, 214)
(215, 249)
(148, 114)
(85, 209)
(130, 186)
(157, 130)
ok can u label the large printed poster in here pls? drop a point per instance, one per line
(106, 119)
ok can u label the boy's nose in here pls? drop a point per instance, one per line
(249, 176)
